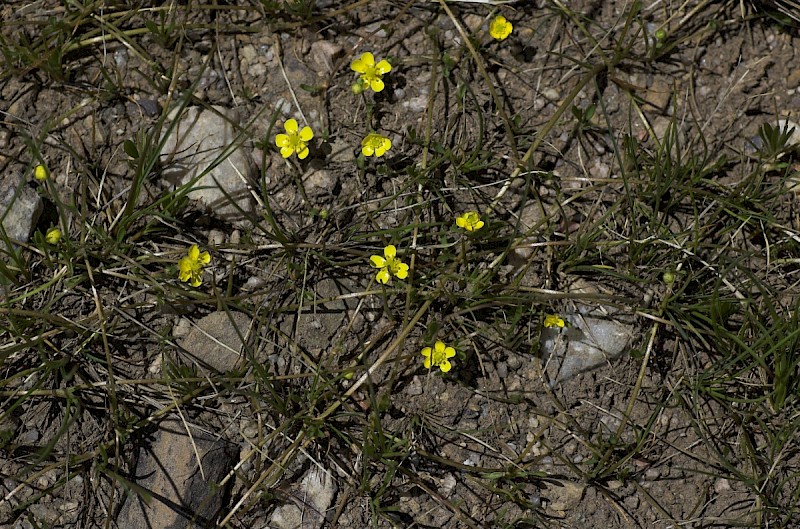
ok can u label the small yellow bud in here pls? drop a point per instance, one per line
(668, 277)
(53, 235)
(357, 87)
(40, 173)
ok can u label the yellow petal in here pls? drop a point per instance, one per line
(402, 271)
(368, 59)
(367, 150)
(445, 366)
(426, 352)
(383, 67)
(390, 252)
(286, 151)
(461, 222)
(478, 225)
(449, 352)
(194, 252)
(439, 347)
(306, 134)
(382, 276)
(204, 258)
(303, 152)
(185, 270)
(196, 281)
(358, 66)
(386, 144)
(377, 261)
(427, 363)
(377, 85)
(282, 140)
(291, 126)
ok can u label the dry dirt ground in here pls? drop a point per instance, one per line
(491, 443)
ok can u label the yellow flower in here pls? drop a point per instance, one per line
(553, 320)
(40, 173)
(294, 141)
(371, 73)
(53, 235)
(191, 266)
(500, 28)
(389, 265)
(470, 221)
(375, 144)
(438, 356)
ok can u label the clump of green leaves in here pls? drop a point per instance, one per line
(774, 142)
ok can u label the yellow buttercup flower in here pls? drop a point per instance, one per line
(375, 144)
(294, 141)
(191, 266)
(371, 73)
(388, 265)
(40, 173)
(470, 221)
(553, 320)
(438, 356)
(500, 28)
(52, 236)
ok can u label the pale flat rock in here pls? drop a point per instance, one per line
(204, 144)
(312, 498)
(168, 469)
(586, 343)
(20, 207)
(564, 496)
(216, 340)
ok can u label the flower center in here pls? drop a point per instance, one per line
(438, 357)
(295, 142)
(393, 265)
(370, 74)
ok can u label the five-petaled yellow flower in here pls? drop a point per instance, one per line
(191, 266)
(375, 144)
(52, 236)
(40, 173)
(553, 320)
(500, 28)
(470, 221)
(389, 265)
(438, 356)
(294, 141)
(371, 73)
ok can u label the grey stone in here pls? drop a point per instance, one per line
(658, 95)
(324, 54)
(204, 145)
(585, 344)
(20, 207)
(311, 498)
(216, 340)
(564, 495)
(181, 494)
(319, 182)
(533, 218)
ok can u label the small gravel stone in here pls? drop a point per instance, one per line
(722, 485)
(502, 370)
(552, 94)
(631, 502)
